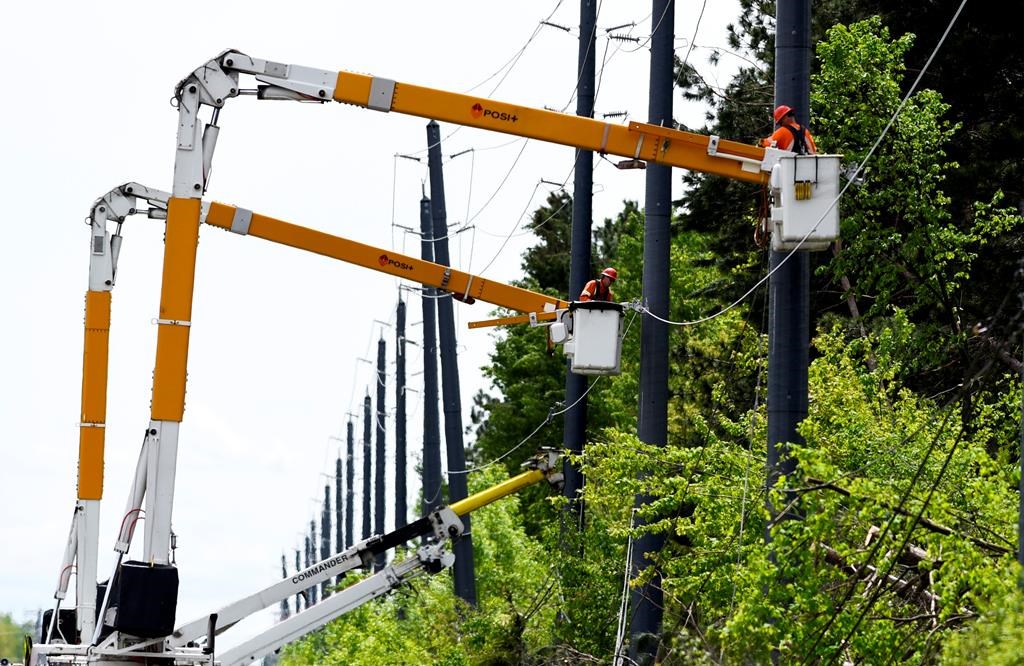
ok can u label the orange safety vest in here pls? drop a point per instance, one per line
(595, 291)
(785, 136)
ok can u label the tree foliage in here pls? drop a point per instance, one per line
(12, 637)
(427, 624)
(893, 540)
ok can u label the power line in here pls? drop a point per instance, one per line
(553, 411)
(507, 68)
(852, 178)
(653, 30)
(579, 75)
(906, 539)
(880, 539)
(695, 29)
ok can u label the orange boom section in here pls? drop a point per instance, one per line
(94, 395)
(650, 143)
(460, 283)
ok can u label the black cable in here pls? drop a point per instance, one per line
(906, 539)
(881, 537)
(689, 49)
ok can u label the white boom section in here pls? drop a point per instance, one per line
(431, 558)
(445, 523)
(314, 575)
(104, 248)
(64, 577)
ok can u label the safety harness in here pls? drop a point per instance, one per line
(600, 293)
(799, 140)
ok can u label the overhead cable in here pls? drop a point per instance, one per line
(850, 181)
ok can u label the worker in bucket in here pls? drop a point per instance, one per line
(599, 289)
(790, 135)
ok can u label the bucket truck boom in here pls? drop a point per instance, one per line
(802, 192)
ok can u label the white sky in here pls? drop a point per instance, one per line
(277, 334)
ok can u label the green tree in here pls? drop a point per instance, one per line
(996, 638)
(904, 246)
(730, 598)
(907, 481)
(425, 623)
(12, 637)
(546, 265)
(725, 599)
(528, 377)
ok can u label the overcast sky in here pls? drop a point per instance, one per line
(277, 335)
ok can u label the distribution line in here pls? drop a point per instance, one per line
(906, 540)
(472, 172)
(509, 65)
(539, 225)
(470, 219)
(620, 631)
(590, 45)
(504, 243)
(747, 461)
(850, 181)
(880, 539)
(553, 411)
(736, 54)
(689, 48)
(605, 58)
(654, 30)
(512, 233)
(501, 184)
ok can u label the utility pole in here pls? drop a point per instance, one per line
(285, 610)
(298, 595)
(310, 559)
(350, 479)
(652, 426)
(575, 420)
(339, 526)
(463, 570)
(789, 285)
(367, 469)
(1020, 488)
(401, 510)
(325, 537)
(431, 423)
(381, 560)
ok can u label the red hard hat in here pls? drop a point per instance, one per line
(781, 111)
(611, 272)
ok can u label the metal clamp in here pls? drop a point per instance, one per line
(604, 138)
(382, 93)
(240, 221)
(92, 425)
(171, 322)
(639, 146)
(713, 145)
